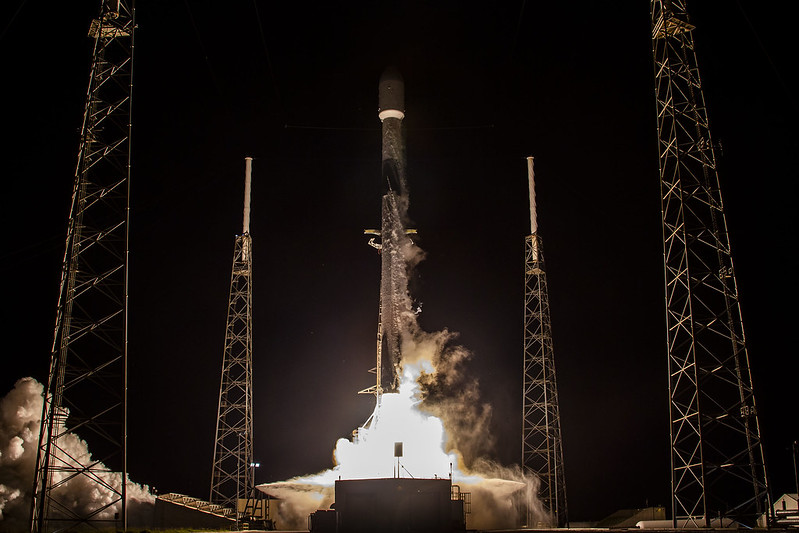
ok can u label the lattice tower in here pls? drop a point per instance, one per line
(86, 390)
(717, 463)
(232, 476)
(542, 448)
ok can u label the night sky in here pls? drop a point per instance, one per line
(487, 84)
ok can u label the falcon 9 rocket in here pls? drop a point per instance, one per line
(396, 317)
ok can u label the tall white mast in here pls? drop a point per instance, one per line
(247, 185)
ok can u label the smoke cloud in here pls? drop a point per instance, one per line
(20, 420)
(505, 496)
(502, 496)
(20, 415)
(297, 499)
(449, 393)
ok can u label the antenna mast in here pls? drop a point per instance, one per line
(232, 477)
(717, 463)
(542, 450)
(86, 390)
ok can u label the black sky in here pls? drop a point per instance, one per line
(295, 86)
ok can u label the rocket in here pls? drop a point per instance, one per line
(391, 111)
(395, 305)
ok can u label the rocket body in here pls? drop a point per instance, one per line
(396, 316)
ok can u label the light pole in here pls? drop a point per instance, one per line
(795, 450)
(253, 466)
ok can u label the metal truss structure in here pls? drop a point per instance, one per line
(542, 449)
(232, 477)
(86, 392)
(718, 469)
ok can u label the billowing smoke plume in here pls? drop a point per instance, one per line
(20, 414)
(20, 420)
(507, 497)
(502, 497)
(452, 395)
(297, 500)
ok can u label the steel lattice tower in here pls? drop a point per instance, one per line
(86, 390)
(542, 449)
(718, 469)
(232, 477)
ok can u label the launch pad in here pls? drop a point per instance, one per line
(394, 505)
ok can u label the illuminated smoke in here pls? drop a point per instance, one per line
(452, 395)
(20, 414)
(20, 419)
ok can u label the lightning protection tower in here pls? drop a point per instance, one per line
(232, 477)
(542, 449)
(86, 390)
(717, 465)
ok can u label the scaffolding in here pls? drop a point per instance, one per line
(717, 464)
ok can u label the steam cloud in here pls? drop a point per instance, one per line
(20, 420)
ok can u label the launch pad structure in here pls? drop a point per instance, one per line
(717, 465)
(393, 505)
(542, 443)
(233, 471)
(86, 389)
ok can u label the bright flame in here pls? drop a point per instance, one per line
(397, 419)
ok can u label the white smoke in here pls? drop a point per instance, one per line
(20, 414)
(451, 394)
(501, 496)
(20, 420)
(505, 497)
(297, 499)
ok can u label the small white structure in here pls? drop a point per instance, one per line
(786, 510)
(688, 523)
